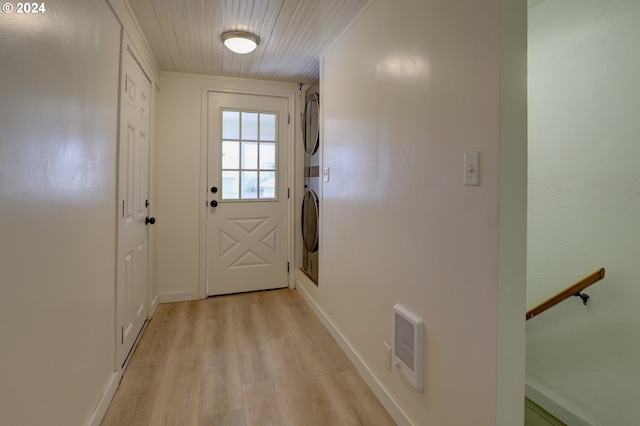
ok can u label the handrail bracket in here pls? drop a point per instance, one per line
(582, 296)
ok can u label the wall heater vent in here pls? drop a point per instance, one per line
(408, 339)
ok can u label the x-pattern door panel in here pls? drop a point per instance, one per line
(248, 243)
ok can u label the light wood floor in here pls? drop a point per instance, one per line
(250, 359)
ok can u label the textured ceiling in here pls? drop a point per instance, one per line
(184, 35)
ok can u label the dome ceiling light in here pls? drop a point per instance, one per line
(240, 42)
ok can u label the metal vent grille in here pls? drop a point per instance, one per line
(408, 338)
(405, 346)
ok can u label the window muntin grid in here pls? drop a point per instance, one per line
(249, 169)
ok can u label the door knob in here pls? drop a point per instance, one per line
(214, 189)
(214, 203)
(149, 220)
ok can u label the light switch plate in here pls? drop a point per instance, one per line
(472, 168)
(325, 174)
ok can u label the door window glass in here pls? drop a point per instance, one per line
(267, 156)
(230, 155)
(268, 127)
(249, 155)
(249, 125)
(231, 124)
(230, 185)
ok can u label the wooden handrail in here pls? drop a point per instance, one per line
(573, 290)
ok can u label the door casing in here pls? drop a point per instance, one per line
(258, 241)
(128, 52)
(248, 87)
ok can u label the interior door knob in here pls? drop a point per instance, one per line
(214, 203)
(214, 189)
(149, 220)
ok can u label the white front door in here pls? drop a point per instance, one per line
(133, 189)
(247, 241)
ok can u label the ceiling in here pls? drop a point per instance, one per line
(184, 35)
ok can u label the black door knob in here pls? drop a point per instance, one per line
(149, 220)
(214, 203)
(214, 189)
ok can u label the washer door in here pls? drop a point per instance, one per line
(311, 125)
(310, 221)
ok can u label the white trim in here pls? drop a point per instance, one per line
(204, 194)
(138, 28)
(105, 399)
(246, 87)
(127, 47)
(139, 58)
(128, 21)
(291, 192)
(387, 401)
(298, 176)
(179, 296)
(556, 404)
(234, 84)
(153, 306)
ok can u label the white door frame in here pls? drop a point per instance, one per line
(128, 46)
(248, 87)
(127, 43)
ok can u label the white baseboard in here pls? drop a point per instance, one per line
(114, 381)
(303, 281)
(557, 405)
(105, 399)
(387, 401)
(153, 305)
(181, 296)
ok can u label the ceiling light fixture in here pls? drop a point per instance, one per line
(240, 42)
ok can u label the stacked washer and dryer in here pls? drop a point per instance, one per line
(310, 202)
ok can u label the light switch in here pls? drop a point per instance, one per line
(472, 168)
(325, 174)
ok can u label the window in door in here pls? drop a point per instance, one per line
(249, 153)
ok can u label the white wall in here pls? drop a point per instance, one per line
(182, 188)
(59, 76)
(178, 143)
(406, 92)
(59, 90)
(584, 202)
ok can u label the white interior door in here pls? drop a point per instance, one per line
(133, 189)
(247, 175)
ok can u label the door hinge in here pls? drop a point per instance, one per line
(287, 266)
(123, 208)
(288, 118)
(122, 335)
(146, 203)
(126, 82)
(288, 192)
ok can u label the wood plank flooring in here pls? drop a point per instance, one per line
(247, 359)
